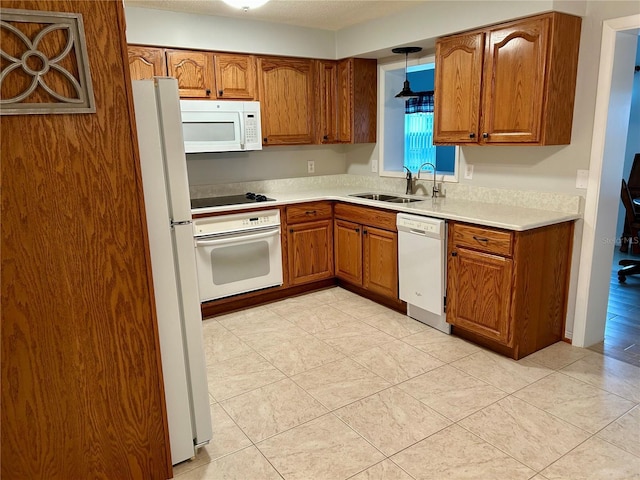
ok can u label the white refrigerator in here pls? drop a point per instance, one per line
(173, 264)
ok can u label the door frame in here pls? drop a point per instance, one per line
(610, 129)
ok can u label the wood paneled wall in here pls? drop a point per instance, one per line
(82, 392)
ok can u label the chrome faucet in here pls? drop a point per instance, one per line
(435, 190)
(409, 189)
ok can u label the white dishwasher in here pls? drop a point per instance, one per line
(422, 268)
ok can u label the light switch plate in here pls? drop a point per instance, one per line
(311, 166)
(468, 172)
(374, 166)
(582, 179)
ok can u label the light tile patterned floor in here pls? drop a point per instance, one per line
(331, 386)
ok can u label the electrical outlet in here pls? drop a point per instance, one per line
(582, 179)
(311, 166)
(468, 172)
(374, 166)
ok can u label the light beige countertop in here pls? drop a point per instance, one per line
(481, 213)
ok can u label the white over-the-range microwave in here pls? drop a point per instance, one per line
(221, 126)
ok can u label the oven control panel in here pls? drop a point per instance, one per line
(236, 222)
(258, 220)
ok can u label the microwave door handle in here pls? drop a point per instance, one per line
(241, 124)
(234, 238)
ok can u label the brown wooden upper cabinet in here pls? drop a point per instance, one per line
(357, 100)
(194, 72)
(235, 76)
(286, 92)
(509, 84)
(146, 62)
(347, 100)
(327, 101)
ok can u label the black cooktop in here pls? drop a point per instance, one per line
(249, 197)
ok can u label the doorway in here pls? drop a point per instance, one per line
(619, 40)
(622, 329)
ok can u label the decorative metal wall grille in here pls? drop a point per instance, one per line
(44, 66)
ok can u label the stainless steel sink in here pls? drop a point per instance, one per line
(384, 197)
(375, 196)
(402, 200)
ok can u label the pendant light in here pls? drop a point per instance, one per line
(406, 89)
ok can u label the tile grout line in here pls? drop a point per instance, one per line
(393, 384)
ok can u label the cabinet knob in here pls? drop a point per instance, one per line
(357, 230)
(220, 93)
(472, 135)
(264, 140)
(364, 232)
(291, 230)
(208, 92)
(485, 135)
(454, 254)
(310, 212)
(326, 137)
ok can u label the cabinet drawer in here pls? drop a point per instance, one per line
(367, 216)
(306, 212)
(483, 239)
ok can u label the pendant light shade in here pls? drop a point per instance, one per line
(406, 91)
(245, 4)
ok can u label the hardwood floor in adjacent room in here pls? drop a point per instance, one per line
(622, 331)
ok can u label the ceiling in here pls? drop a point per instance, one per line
(321, 14)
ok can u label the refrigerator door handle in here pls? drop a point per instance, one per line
(184, 222)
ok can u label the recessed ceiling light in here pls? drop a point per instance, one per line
(245, 4)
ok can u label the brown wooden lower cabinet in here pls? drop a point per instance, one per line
(508, 290)
(347, 239)
(380, 261)
(366, 255)
(309, 234)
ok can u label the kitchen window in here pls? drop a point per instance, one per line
(406, 125)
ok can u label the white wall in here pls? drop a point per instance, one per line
(204, 32)
(172, 29)
(267, 164)
(422, 24)
(550, 169)
(546, 169)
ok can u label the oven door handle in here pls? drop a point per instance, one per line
(236, 238)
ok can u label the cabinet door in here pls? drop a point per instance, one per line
(344, 100)
(479, 293)
(194, 72)
(310, 248)
(286, 90)
(357, 100)
(514, 82)
(348, 248)
(146, 62)
(458, 80)
(327, 99)
(235, 76)
(380, 261)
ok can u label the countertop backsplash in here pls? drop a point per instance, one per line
(558, 202)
